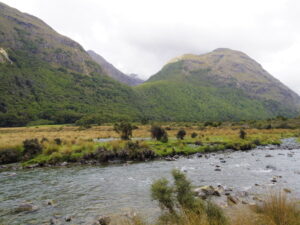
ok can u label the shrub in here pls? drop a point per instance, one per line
(58, 141)
(181, 204)
(243, 134)
(9, 156)
(158, 133)
(125, 129)
(181, 133)
(32, 147)
(164, 138)
(194, 135)
(163, 193)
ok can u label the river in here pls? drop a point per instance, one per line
(87, 191)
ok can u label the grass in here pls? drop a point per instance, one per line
(180, 207)
(77, 142)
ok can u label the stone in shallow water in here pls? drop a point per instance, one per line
(26, 207)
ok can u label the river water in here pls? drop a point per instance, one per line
(88, 191)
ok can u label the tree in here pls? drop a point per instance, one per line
(163, 193)
(159, 133)
(125, 129)
(243, 134)
(194, 135)
(181, 133)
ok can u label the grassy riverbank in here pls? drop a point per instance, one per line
(57, 144)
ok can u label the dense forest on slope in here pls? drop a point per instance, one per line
(47, 78)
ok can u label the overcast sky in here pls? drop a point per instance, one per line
(140, 36)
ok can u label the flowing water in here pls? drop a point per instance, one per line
(87, 191)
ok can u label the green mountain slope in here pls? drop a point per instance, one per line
(221, 85)
(46, 76)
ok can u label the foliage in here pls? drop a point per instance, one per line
(179, 200)
(194, 135)
(243, 134)
(10, 155)
(125, 129)
(32, 147)
(163, 193)
(181, 133)
(159, 133)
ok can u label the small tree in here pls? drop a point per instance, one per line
(125, 129)
(32, 147)
(181, 133)
(194, 135)
(159, 133)
(243, 134)
(163, 193)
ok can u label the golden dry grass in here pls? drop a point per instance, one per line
(10, 137)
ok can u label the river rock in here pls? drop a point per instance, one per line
(64, 164)
(206, 191)
(271, 167)
(286, 190)
(232, 200)
(218, 169)
(26, 207)
(170, 159)
(68, 218)
(268, 155)
(104, 220)
(274, 180)
(49, 202)
(54, 221)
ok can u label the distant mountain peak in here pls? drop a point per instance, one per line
(113, 72)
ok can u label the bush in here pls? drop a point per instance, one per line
(243, 134)
(194, 135)
(125, 129)
(163, 193)
(180, 204)
(159, 133)
(10, 156)
(181, 133)
(32, 147)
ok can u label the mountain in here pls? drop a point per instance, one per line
(47, 76)
(220, 85)
(113, 72)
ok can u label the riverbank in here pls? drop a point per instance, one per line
(39, 151)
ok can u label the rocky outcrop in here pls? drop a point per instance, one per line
(4, 58)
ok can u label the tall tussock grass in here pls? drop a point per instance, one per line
(180, 207)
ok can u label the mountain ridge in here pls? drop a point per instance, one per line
(112, 71)
(49, 78)
(206, 76)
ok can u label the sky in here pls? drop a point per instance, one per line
(140, 36)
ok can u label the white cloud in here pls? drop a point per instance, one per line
(139, 36)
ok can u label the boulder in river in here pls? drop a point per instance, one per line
(271, 167)
(206, 191)
(104, 220)
(26, 207)
(232, 200)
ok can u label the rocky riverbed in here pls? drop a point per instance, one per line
(84, 194)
